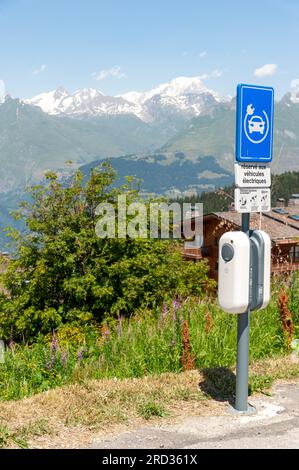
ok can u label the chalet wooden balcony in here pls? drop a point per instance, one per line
(192, 253)
(285, 267)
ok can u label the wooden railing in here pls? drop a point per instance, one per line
(192, 253)
(284, 267)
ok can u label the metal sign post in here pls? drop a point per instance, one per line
(245, 256)
(241, 403)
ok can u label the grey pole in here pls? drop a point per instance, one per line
(243, 347)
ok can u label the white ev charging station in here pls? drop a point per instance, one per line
(233, 272)
(244, 271)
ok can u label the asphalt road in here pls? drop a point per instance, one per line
(274, 425)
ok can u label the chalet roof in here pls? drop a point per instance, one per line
(285, 218)
(278, 227)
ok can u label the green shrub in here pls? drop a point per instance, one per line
(63, 273)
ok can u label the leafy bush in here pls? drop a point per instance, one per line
(63, 273)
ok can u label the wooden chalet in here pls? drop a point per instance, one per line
(281, 224)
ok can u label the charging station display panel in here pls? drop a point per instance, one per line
(260, 271)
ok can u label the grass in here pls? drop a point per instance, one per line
(20, 436)
(150, 409)
(148, 343)
(96, 377)
(78, 411)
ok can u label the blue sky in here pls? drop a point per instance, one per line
(118, 46)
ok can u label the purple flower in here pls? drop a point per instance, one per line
(48, 365)
(53, 360)
(63, 358)
(176, 305)
(54, 344)
(80, 355)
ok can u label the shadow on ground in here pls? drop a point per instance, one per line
(219, 383)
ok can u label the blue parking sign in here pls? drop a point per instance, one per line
(254, 129)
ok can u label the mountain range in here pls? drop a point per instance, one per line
(44, 132)
(177, 137)
(183, 96)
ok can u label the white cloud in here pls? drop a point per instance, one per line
(204, 76)
(40, 70)
(202, 54)
(295, 83)
(113, 72)
(265, 70)
(216, 73)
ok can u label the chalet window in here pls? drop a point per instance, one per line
(205, 251)
(294, 254)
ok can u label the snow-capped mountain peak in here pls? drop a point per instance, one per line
(181, 86)
(176, 87)
(187, 95)
(295, 93)
(50, 101)
(87, 101)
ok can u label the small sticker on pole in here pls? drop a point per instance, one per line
(252, 200)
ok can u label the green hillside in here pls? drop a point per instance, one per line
(214, 134)
(159, 175)
(283, 186)
(210, 134)
(31, 141)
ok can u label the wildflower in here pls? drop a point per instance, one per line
(106, 331)
(176, 305)
(63, 358)
(175, 309)
(54, 344)
(80, 355)
(208, 321)
(286, 317)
